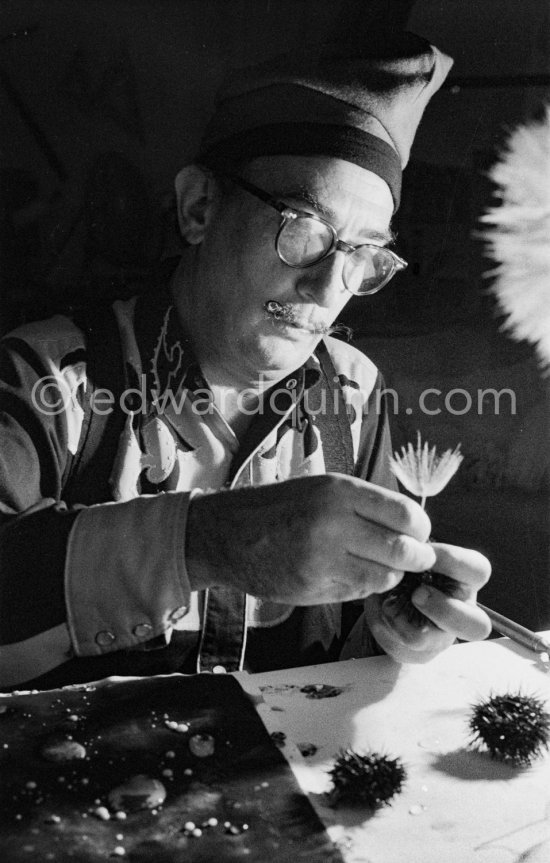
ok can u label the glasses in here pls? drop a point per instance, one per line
(304, 240)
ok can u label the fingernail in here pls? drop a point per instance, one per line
(421, 596)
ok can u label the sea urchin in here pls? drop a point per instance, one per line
(514, 728)
(366, 778)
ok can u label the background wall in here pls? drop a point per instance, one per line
(101, 101)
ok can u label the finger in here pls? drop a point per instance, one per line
(392, 510)
(468, 567)
(369, 577)
(401, 639)
(463, 619)
(373, 542)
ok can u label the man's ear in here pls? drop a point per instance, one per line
(195, 192)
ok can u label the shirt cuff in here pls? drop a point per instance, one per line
(125, 576)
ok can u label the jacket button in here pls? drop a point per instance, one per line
(219, 669)
(104, 638)
(178, 613)
(142, 630)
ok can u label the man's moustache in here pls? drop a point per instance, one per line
(286, 312)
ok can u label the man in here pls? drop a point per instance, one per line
(201, 480)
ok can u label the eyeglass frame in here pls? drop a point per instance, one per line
(288, 213)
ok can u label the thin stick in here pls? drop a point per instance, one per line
(516, 632)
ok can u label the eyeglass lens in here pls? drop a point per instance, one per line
(303, 241)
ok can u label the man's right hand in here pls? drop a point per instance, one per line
(320, 539)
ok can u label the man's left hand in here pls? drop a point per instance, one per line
(448, 617)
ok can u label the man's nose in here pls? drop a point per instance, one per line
(323, 283)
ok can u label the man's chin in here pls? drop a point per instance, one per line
(287, 351)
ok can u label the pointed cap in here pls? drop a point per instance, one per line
(358, 102)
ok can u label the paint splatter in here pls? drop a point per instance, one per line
(321, 690)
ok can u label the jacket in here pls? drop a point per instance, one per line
(107, 431)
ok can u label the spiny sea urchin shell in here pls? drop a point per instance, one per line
(367, 777)
(514, 728)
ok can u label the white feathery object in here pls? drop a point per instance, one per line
(519, 236)
(422, 471)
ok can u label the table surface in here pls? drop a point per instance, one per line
(458, 805)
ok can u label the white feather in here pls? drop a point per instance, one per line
(519, 236)
(422, 471)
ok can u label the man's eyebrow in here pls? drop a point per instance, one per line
(301, 194)
(388, 236)
(328, 214)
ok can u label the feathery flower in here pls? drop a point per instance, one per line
(518, 238)
(422, 471)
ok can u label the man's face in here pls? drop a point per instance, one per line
(237, 270)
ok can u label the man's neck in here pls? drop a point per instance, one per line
(236, 407)
(237, 401)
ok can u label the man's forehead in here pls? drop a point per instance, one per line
(326, 184)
